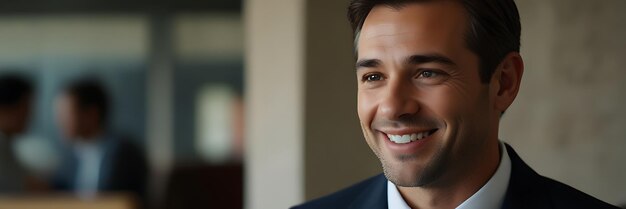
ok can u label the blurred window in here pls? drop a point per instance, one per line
(208, 84)
(214, 126)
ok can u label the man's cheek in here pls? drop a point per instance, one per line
(445, 102)
(366, 108)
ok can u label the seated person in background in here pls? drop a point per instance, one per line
(97, 160)
(15, 105)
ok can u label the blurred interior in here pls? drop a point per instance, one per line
(252, 104)
(174, 73)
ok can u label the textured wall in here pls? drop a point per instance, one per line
(569, 121)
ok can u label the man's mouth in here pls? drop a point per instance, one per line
(407, 138)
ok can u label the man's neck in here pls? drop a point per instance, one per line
(92, 134)
(451, 190)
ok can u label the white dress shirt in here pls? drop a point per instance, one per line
(89, 155)
(490, 196)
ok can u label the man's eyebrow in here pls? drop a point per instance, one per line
(412, 60)
(421, 59)
(367, 63)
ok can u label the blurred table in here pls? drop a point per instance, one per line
(67, 201)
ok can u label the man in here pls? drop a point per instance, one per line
(434, 77)
(15, 109)
(97, 160)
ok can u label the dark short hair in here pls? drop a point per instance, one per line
(13, 88)
(89, 92)
(494, 27)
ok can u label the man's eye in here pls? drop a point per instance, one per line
(428, 74)
(372, 77)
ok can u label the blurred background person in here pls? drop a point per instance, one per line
(97, 160)
(174, 76)
(15, 109)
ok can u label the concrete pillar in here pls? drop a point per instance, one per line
(274, 99)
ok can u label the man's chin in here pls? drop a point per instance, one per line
(410, 171)
(403, 173)
(404, 180)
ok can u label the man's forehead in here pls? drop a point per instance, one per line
(430, 21)
(385, 29)
(427, 14)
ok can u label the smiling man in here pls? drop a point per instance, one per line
(434, 77)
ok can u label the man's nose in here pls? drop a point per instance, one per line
(399, 100)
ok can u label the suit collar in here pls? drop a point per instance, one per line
(374, 196)
(523, 191)
(525, 186)
(490, 195)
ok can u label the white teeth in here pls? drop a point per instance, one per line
(403, 139)
(400, 139)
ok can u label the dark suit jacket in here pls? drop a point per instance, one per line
(527, 190)
(123, 168)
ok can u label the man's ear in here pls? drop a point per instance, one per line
(508, 77)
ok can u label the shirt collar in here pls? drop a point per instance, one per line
(490, 196)
(88, 143)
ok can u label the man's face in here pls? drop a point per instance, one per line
(20, 115)
(422, 107)
(68, 116)
(24, 111)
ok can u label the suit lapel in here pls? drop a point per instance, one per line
(525, 188)
(69, 171)
(109, 147)
(374, 196)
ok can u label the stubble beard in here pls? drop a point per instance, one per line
(425, 176)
